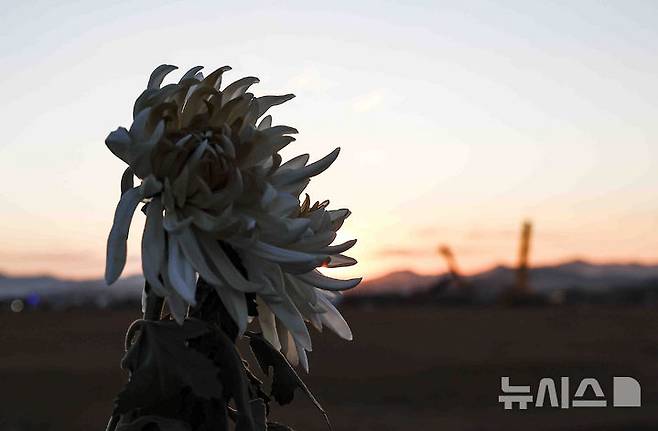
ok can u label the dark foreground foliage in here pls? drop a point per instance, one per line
(191, 377)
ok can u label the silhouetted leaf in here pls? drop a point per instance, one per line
(161, 364)
(217, 346)
(284, 378)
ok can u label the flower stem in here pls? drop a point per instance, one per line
(153, 311)
(154, 304)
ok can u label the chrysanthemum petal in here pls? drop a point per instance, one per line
(192, 251)
(303, 267)
(266, 102)
(279, 303)
(138, 127)
(288, 314)
(295, 188)
(168, 199)
(190, 74)
(278, 131)
(295, 163)
(304, 295)
(315, 242)
(334, 320)
(224, 266)
(177, 305)
(207, 222)
(180, 186)
(127, 180)
(153, 245)
(173, 224)
(227, 146)
(283, 204)
(119, 143)
(236, 304)
(223, 198)
(288, 348)
(267, 324)
(139, 154)
(265, 123)
(321, 281)
(273, 253)
(294, 229)
(342, 213)
(215, 78)
(117, 240)
(151, 186)
(158, 75)
(315, 321)
(340, 260)
(194, 102)
(178, 269)
(303, 359)
(268, 195)
(293, 175)
(238, 88)
(340, 248)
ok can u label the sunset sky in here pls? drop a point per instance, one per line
(457, 120)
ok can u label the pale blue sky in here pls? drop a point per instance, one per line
(456, 120)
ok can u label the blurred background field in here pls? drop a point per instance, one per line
(410, 367)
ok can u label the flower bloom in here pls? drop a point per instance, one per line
(214, 185)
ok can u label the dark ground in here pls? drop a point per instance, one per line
(409, 368)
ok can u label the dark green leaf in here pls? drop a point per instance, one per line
(161, 364)
(220, 348)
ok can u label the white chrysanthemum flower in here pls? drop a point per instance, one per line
(211, 178)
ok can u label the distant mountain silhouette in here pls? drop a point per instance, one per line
(575, 276)
(398, 282)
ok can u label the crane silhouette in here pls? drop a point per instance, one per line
(449, 257)
(522, 284)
